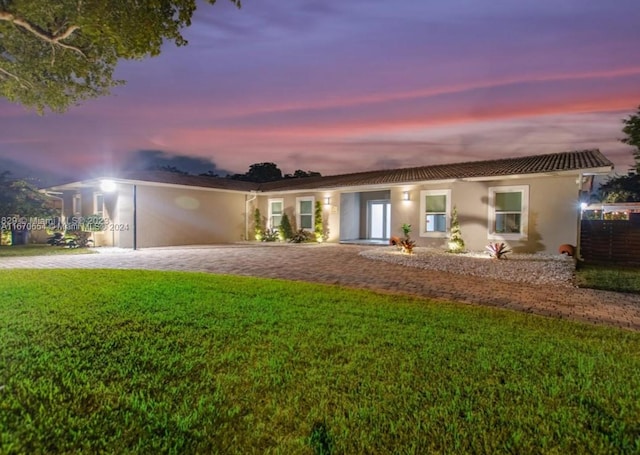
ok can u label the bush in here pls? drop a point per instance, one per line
(498, 250)
(271, 235)
(285, 229)
(318, 228)
(301, 236)
(456, 244)
(258, 230)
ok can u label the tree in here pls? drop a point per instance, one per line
(632, 130)
(299, 173)
(55, 54)
(626, 188)
(260, 173)
(20, 199)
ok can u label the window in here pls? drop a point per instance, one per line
(276, 209)
(435, 209)
(508, 212)
(77, 205)
(304, 216)
(98, 204)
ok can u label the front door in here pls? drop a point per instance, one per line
(379, 220)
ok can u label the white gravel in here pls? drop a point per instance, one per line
(551, 269)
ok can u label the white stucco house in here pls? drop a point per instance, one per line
(532, 203)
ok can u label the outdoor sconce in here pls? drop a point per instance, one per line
(108, 186)
(327, 200)
(406, 196)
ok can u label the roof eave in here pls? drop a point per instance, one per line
(96, 182)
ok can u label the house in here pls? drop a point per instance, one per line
(532, 203)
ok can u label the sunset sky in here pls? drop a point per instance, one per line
(336, 87)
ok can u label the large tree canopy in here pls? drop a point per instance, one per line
(270, 172)
(626, 188)
(19, 198)
(54, 54)
(632, 130)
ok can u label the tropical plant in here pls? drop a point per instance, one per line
(301, 236)
(498, 250)
(71, 239)
(285, 229)
(456, 243)
(271, 235)
(406, 244)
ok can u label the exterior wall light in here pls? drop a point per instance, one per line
(327, 200)
(108, 186)
(406, 196)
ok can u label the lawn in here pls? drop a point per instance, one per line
(40, 250)
(168, 362)
(610, 278)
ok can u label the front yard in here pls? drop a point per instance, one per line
(149, 362)
(40, 250)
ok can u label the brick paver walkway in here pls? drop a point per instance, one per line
(342, 265)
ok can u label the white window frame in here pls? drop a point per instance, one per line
(423, 213)
(98, 210)
(524, 213)
(271, 213)
(77, 204)
(298, 214)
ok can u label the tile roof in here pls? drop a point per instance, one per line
(535, 164)
(175, 178)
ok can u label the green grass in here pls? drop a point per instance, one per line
(611, 278)
(167, 362)
(40, 250)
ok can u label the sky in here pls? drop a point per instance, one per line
(338, 87)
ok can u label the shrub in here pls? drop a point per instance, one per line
(257, 225)
(301, 236)
(498, 250)
(318, 229)
(271, 235)
(456, 244)
(405, 244)
(285, 229)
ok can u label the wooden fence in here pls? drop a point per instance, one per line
(610, 241)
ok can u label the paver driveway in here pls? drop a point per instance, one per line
(342, 265)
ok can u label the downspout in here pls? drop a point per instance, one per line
(135, 217)
(578, 256)
(254, 195)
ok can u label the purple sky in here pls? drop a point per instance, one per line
(336, 87)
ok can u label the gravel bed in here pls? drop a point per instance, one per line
(551, 269)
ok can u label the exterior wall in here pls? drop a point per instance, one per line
(330, 213)
(552, 221)
(349, 225)
(185, 216)
(175, 216)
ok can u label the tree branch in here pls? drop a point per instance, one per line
(13, 76)
(43, 35)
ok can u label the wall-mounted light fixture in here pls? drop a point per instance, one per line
(406, 196)
(108, 186)
(327, 200)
